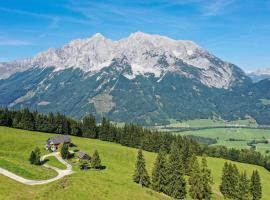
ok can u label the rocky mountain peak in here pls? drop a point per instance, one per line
(145, 53)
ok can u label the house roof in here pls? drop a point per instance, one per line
(59, 139)
(83, 155)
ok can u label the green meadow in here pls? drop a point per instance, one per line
(115, 182)
(244, 135)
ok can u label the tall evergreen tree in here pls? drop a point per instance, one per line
(89, 126)
(195, 180)
(243, 187)
(140, 175)
(255, 186)
(175, 173)
(229, 181)
(32, 158)
(225, 181)
(159, 174)
(207, 179)
(64, 151)
(38, 156)
(95, 160)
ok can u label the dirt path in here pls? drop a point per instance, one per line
(61, 173)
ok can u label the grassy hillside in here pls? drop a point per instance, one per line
(224, 134)
(115, 182)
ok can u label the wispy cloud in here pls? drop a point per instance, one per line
(216, 7)
(54, 19)
(14, 42)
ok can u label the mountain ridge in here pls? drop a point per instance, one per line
(143, 52)
(143, 81)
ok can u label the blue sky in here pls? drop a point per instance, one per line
(235, 30)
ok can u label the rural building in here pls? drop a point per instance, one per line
(53, 143)
(84, 156)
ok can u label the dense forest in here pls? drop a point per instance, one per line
(130, 135)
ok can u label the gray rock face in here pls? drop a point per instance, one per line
(146, 79)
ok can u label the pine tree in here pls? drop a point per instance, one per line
(89, 126)
(64, 151)
(140, 175)
(195, 180)
(207, 179)
(32, 158)
(225, 180)
(159, 174)
(37, 156)
(176, 182)
(255, 186)
(95, 160)
(229, 181)
(243, 187)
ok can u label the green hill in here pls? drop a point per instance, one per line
(115, 182)
(235, 137)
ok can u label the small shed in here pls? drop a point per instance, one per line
(84, 156)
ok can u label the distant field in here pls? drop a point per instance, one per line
(115, 182)
(205, 123)
(224, 134)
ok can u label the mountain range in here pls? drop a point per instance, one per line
(145, 79)
(259, 74)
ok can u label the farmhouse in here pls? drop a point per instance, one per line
(53, 143)
(84, 156)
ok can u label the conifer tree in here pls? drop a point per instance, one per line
(255, 186)
(243, 187)
(175, 173)
(140, 175)
(207, 179)
(95, 160)
(64, 151)
(229, 181)
(32, 158)
(37, 156)
(159, 174)
(195, 180)
(225, 180)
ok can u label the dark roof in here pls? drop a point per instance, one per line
(83, 155)
(59, 139)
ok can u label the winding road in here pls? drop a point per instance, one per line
(61, 173)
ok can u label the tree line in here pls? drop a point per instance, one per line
(239, 155)
(237, 185)
(169, 171)
(168, 177)
(130, 135)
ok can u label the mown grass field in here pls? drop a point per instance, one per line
(52, 161)
(224, 134)
(115, 182)
(206, 123)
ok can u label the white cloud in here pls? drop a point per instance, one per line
(216, 7)
(14, 42)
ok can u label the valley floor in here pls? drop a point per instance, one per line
(114, 183)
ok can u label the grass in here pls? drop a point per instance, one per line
(224, 134)
(114, 183)
(14, 153)
(52, 161)
(174, 124)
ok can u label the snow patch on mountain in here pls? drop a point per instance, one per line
(145, 54)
